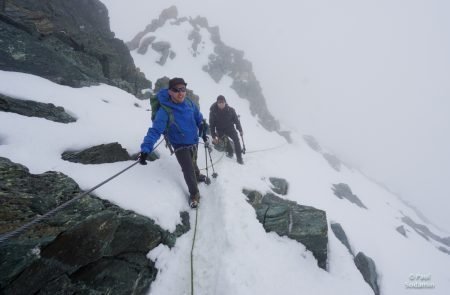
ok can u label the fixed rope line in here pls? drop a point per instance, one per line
(38, 219)
(192, 252)
(214, 163)
(265, 150)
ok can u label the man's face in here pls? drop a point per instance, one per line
(178, 93)
(221, 104)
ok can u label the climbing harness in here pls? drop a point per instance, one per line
(38, 219)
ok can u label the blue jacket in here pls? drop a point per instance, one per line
(184, 130)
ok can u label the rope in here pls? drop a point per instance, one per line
(192, 252)
(220, 159)
(38, 219)
(268, 149)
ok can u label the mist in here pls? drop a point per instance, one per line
(369, 79)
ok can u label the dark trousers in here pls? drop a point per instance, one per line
(231, 133)
(187, 158)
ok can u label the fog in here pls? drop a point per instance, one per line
(369, 79)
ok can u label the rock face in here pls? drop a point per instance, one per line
(427, 234)
(90, 247)
(340, 234)
(334, 161)
(368, 270)
(31, 108)
(342, 191)
(304, 224)
(364, 264)
(401, 230)
(68, 42)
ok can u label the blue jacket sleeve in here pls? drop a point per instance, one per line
(154, 132)
(198, 116)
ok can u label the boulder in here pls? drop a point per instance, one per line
(104, 153)
(303, 224)
(279, 185)
(31, 108)
(342, 190)
(340, 234)
(368, 270)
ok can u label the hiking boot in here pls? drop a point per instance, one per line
(229, 155)
(201, 178)
(194, 200)
(240, 161)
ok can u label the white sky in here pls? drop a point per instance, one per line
(369, 79)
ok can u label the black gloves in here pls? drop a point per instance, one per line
(142, 158)
(205, 138)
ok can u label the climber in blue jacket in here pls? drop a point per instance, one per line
(180, 119)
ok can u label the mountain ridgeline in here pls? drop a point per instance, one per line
(225, 61)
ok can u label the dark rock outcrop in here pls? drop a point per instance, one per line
(104, 153)
(312, 142)
(145, 44)
(166, 14)
(89, 247)
(340, 234)
(401, 230)
(164, 49)
(368, 270)
(425, 232)
(31, 108)
(334, 161)
(280, 185)
(365, 264)
(304, 224)
(342, 191)
(67, 42)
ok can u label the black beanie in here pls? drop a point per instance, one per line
(175, 81)
(221, 98)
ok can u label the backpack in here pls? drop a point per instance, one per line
(156, 105)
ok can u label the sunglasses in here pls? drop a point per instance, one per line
(177, 90)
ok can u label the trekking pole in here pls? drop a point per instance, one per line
(214, 175)
(207, 180)
(243, 143)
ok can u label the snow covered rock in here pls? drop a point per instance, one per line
(31, 108)
(304, 224)
(368, 270)
(343, 190)
(104, 153)
(280, 185)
